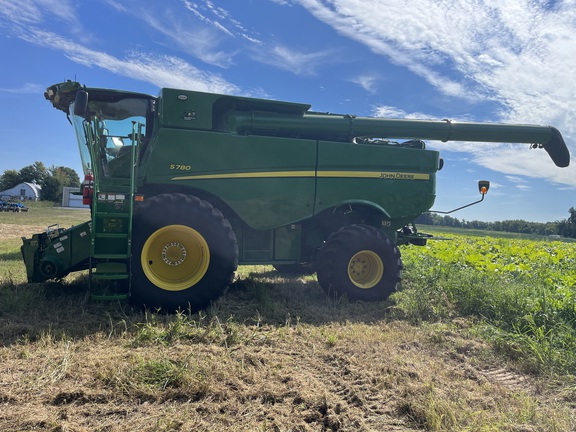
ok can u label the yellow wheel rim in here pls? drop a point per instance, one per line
(365, 269)
(175, 257)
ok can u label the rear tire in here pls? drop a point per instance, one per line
(184, 253)
(360, 262)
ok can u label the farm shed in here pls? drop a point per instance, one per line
(71, 197)
(23, 192)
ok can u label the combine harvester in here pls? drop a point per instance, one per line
(185, 186)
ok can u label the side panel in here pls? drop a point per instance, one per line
(266, 246)
(269, 182)
(400, 180)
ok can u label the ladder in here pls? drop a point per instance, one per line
(110, 258)
(111, 244)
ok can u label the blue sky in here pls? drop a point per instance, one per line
(472, 60)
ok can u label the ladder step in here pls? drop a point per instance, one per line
(111, 267)
(110, 271)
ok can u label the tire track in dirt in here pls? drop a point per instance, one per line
(354, 395)
(508, 379)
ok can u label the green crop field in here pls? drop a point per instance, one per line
(480, 337)
(524, 292)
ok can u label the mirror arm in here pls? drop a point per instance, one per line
(483, 186)
(459, 208)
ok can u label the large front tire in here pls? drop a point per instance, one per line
(184, 253)
(360, 262)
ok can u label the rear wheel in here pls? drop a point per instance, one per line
(361, 262)
(184, 253)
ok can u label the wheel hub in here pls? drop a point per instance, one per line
(174, 253)
(359, 267)
(175, 257)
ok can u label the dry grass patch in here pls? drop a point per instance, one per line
(372, 377)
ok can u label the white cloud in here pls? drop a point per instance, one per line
(299, 63)
(385, 111)
(199, 41)
(282, 2)
(26, 88)
(161, 70)
(63, 9)
(220, 14)
(367, 82)
(515, 179)
(34, 12)
(22, 12)
(199, 29)
(522, 161)
(395, 29)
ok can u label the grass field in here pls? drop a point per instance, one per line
(480, 338)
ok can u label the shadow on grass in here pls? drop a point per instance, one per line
(11, 256)
(66, 310)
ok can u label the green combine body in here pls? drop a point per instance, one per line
(185, 186)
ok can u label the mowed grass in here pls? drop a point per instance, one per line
(273, 354)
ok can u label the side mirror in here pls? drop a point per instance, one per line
(81, 103)
(483, 186)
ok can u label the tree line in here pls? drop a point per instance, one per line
(565, 228)
(52, 180)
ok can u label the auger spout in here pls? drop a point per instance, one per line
(346, 127)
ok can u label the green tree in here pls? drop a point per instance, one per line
(572, 218)
(66, 176)
(9, 179)
(36, 172)
(52, 189)
(567, 227)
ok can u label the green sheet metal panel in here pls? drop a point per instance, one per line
(269, 182)
(399, 180)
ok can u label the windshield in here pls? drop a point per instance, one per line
(114, 126)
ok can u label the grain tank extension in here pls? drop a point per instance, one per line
(186, 186)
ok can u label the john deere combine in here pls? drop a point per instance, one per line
(185, 186)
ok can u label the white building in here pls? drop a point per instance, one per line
(22, 192)
(71, 197)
